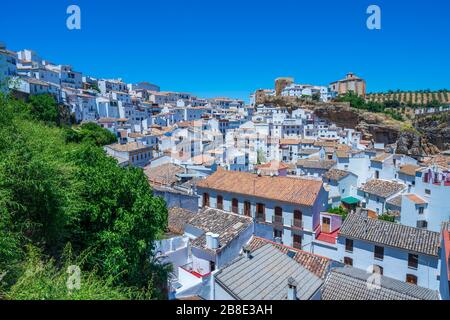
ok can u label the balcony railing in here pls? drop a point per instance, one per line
(297, 223)
(277, 219)
(260, 217)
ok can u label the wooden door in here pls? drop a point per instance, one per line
(326, 225)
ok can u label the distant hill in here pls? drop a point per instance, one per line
(419, 98)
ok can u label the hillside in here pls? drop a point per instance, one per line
(64, 202)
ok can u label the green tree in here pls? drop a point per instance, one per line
(44, 108)
(90, 133)
(54, 192)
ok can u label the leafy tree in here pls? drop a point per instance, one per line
(44, 108)
(90, 133)
(355, 100)
(261, 157)
(54, 192)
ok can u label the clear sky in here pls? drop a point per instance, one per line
(232, 47)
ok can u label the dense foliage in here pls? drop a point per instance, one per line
(57, 192)
(387, 107)
(92, 133)
(340, 211)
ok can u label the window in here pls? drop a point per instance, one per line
(206, 199)
(297, 241)
(377, 174)
(379, 253)
(410, 278)
(421, 210)
(427, 191)
(422, 224)
(235, 205)
(278, 218)
(413, 261)
(247, 208)
(277, 233)
(220, 202)
(260, 212)
(348, 261)
(348, 245)
(298, 217)
(212, 266)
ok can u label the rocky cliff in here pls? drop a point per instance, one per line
(435, 128)
(413, 144)
(425, 137)
(377, 127)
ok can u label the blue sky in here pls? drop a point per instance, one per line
(231, 48)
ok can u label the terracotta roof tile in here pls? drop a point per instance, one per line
(178, 217)
(286, 189)
(336, 174)
(382, 188)
(409, 169)
(316, 264)
(416, 199)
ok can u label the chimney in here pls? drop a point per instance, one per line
(212, 241)
(292, 289)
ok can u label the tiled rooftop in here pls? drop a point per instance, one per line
(227, 225)
(382, 188)
(409, 169)
(316, 164)
(265, 276)
(336, 174)
(391, 234)
(316, 264)
(286, 189)
(349, 283)
(178, 217)
(128, 147)
(396, 201)
(164, 174)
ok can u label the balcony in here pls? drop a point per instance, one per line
(278, 220)
(260, 217)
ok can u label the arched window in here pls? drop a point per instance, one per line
(206, 199)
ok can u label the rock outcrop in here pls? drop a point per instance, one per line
(373, 126)
(415, 145)
(435, 128)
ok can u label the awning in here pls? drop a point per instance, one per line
(350, 200)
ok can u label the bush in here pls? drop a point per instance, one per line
(90, 133)
(340, 211)
(44, 108)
